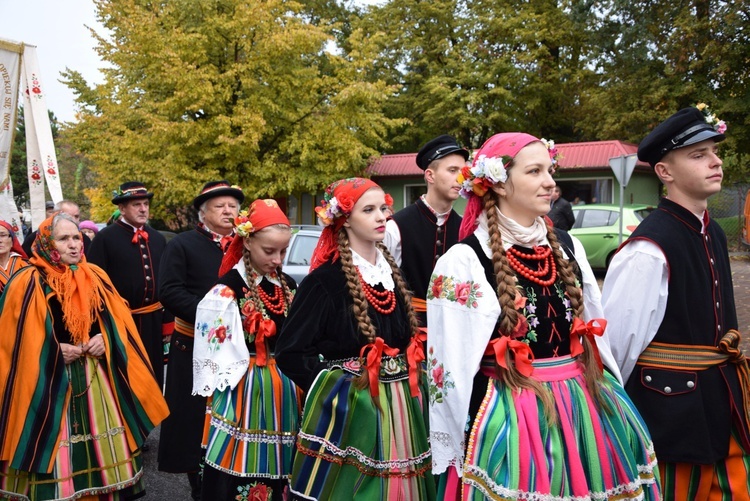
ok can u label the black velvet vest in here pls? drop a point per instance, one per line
(423, 242)
(690, 413)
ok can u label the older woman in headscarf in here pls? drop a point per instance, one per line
(77, 394)
(12, 256)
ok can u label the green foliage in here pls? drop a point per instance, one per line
(208, 89)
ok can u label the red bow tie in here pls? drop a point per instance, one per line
(140, 233)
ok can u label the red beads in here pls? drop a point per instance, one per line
(275, 304)
(383, 302)
(547, 266)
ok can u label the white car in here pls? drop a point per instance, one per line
(301, 247)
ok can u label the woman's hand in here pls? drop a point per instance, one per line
(95, 346)
(70, 352)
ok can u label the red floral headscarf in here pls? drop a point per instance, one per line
(16, 246)
(261, 214)
(337, 204)
(506, 144)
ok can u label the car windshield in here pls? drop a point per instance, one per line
(302, 250)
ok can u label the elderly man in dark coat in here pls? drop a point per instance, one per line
(129, 250)
(190, 267)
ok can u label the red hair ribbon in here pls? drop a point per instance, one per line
(414, 356)
(595, 327)
(263, 328)
(374, 355)
(523, 357)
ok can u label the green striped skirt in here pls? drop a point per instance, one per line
(93, 457)
(347, 448)
(588, 453)
(253, 426)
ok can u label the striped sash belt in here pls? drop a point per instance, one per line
(147, 309)
(183, 327)
(699, 358)
(419, 305)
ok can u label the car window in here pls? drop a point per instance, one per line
(302, 249)
(641, 214)
(597, 217)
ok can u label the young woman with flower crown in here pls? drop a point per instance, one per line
(509, 319)
(254, 409)
(352, 342)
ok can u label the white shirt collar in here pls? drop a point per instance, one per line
(374, 274)
(240, 267)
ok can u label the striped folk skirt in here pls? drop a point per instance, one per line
(588, 453)
(93, 457)
(350, 449)
(251, 431)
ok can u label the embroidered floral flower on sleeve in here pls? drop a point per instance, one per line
(439, 379)
(463, 293)
(216, 333)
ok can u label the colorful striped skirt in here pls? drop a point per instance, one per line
(93, 457)
(587, 454)
(251, 431)
(348, 448)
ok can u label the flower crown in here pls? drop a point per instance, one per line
(332, 207)
(719, 125)
(554, 154)
(242, 224)
(486, 172)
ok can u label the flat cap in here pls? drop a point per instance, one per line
(437, 148)
(687, 126)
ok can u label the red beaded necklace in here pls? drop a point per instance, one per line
(383, 302)
(543, 254)
(274, 304)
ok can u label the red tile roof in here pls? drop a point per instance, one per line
(590, 155)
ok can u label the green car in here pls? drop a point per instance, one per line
(597, 226)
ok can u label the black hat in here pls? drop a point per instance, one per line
(439, 147)
(49, 205)
(687, 126)
(213, 189)
(132, 190)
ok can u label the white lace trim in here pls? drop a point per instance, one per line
(446, 453)
(374, 274)
(618, 492)
(364, 458)
(240, 267)
(255, 436)
(207, 377)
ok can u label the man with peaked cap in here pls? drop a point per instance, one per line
(130, 251)
(669, 302)
(190, 267)
(419, 234)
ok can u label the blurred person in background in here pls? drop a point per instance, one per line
(89, 228)
(12, 256)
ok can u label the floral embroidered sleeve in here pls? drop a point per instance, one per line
(220, 355)
(462, 310)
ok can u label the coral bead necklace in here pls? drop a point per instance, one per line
(543, 254)
(275, 304)
(384, 302)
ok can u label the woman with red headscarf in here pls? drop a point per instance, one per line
(352, 342)
(77, 393)
(254, 409)
(513, 313)
(12, 256)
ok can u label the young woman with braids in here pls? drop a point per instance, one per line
(352, 342)
(254, 408)
(520, 406)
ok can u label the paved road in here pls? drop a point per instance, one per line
(173, 487)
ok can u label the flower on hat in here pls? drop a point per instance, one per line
(485, 173)
(242, 224)
(329, 210)
(554, 153)
(719, 125)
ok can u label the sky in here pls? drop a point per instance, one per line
(58, 30)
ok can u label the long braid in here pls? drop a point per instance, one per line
(565, 269)
(506, 295)
(402, 289)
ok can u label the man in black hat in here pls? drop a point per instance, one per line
(129, 250)
(419, 234)
(669, 302)
(189, 269)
